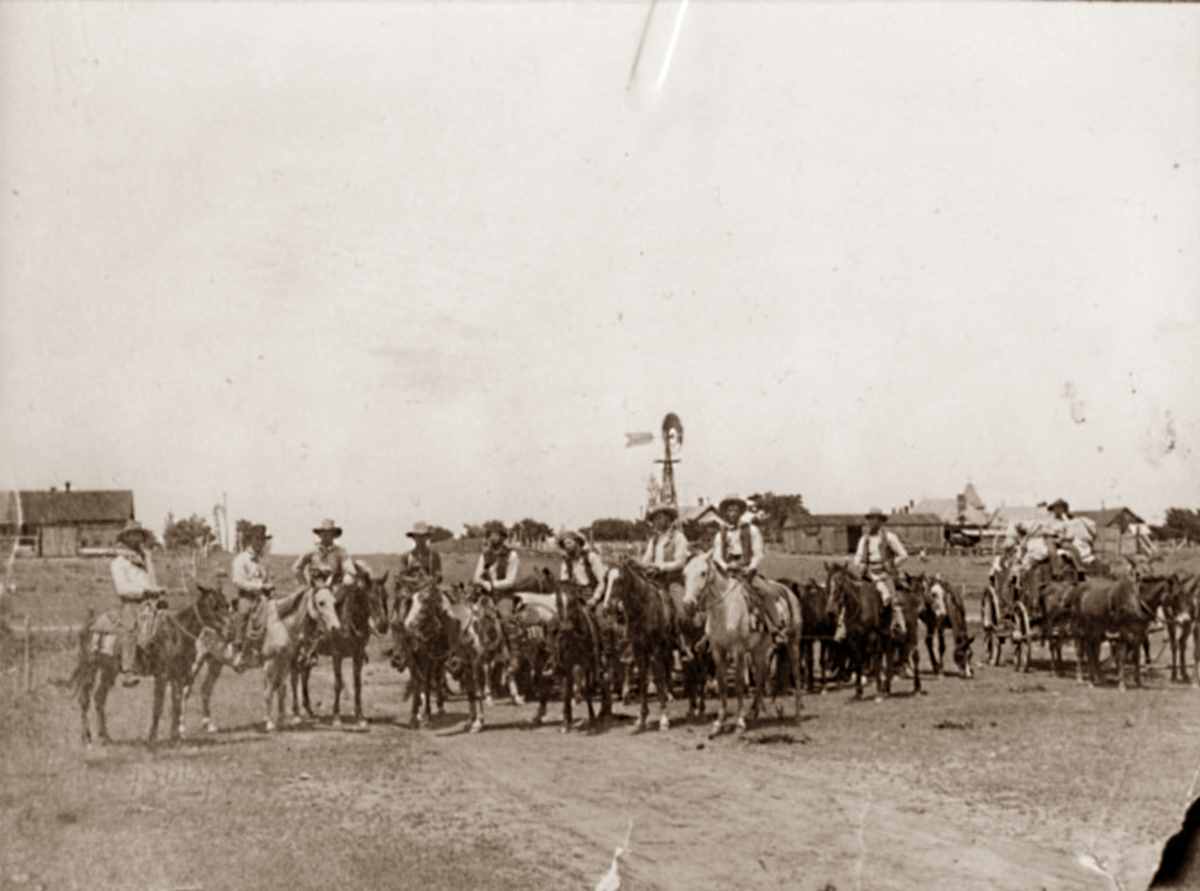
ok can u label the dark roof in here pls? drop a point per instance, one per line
(801, 520)
(96, 506)
(947, 509)
(1112, 516)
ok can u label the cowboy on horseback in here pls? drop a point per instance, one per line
(582, 569)
(667, 550)
(421, 564)
(251, 579)
(738, 550)
(329, 564)
(136, 586)
(880, 552)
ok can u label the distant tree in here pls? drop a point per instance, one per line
(241, 530)
(189, 533)
(530, 532)
(1181, 523)
(614, 529)
(439, 533)
(778, 508)
(470, 530)
(494, 526)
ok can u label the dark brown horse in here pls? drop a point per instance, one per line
(1123, 607)
(651, 627)
(575, 649)
(871, 644)
(1183, 625)
(953, 615)
(168, 657)
(360, 610)
(428, 640)
(818, 628)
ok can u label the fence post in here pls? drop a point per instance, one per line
(28, 664)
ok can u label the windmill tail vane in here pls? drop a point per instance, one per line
(637, 439)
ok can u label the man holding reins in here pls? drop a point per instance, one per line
(667, 550)
(738, 551)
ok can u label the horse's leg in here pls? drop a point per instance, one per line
(356, 667)
(1121, 647)
(1137, 660)
(305, 675)
(160, 689)
(718, 654)
(415, 685)
(929, 647)
(1174, 649)
(176, 710)
(1184, 633)
(270, 679)
(940, 665)
(212, 670)
(338, 684)
(742, 661)
(642, 661)
(86, 680)
(568, 693)
(1195, 650)
(108, 677)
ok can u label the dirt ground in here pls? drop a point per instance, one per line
(1004, 781)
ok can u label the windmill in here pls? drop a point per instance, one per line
(663, 492)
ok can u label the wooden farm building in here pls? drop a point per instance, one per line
(1117, 529)
(838, 534)
(66, 522)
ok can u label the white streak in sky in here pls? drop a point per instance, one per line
(666, 66)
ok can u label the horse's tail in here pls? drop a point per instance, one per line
(75, 681)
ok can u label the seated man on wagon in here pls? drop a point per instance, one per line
(1077, 537)
(738, 551)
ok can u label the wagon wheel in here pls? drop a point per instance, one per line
(989, 608)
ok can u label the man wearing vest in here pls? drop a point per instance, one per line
(329, 562)
(582, 567)
(667, 551)
(422, 563)
(738, 550)
(1077, 536)
(252, 581)
(135, 584)
(879, 554)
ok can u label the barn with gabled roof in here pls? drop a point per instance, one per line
(64, 522)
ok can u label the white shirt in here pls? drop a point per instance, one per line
(133, 574)
(1081, 532)
(498, 584)
(249, 572)
(656, 550)
(870, 551)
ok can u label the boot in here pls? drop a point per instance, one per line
(129, 659)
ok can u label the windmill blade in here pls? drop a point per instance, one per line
(637, 439)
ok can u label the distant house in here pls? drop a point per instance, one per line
(64, 523)
(838, 534)
(700, 521)
(1117, 529)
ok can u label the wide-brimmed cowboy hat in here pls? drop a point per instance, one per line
(1058, 502)
(876, 512)
(132, 528)
(258, 530)
(328, 525)
(731, 499)
(419, 530)
(562, 537)
(496, 530)
(664, 508)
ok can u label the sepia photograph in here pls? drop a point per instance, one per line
(631, 445)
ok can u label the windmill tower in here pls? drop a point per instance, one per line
(672, 438)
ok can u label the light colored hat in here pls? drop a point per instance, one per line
(328, 525)
(876, 512)
(418, 530)
(664, 508)
(731, 499)
(132, 528)
(571, 533)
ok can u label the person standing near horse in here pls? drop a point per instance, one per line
(879, 555)
(135, 584)
(738, 551)
(251, 578)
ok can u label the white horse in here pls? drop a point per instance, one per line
(732, 634)
(286, 618)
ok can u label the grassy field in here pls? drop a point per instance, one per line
(1004, 781)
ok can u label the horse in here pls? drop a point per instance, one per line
(730, 630)
(954, 618)
(168, 656)
(1124, 606)
(817, 627)
(575, 649)
(651, 629)
(445, 629)
(870, 643)
(359, 611)
(286, 620)
(1183, 625)
(1058, 608)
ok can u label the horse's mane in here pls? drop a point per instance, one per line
(286, 605)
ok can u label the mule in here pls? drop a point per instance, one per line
(287, 619)
(734, 636)
(1124, 607)
(872, 645)
(359, 611)
(168, 657)
(954, 618)
(651, 628)
(1183, 625)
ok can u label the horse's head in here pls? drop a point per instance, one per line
(424, 609)
(698, 575)
(837, 582)
(1164, 591)
(322, 608)
(212, 607)
(377, 601)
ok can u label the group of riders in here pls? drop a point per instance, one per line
(737, 549)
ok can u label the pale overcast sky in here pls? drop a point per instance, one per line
(399, 262)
